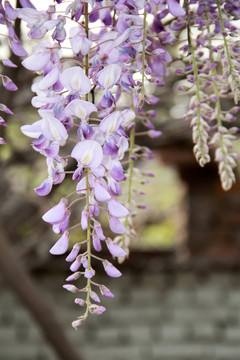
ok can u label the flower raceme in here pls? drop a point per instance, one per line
(89, 97)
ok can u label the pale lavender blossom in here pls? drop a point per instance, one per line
(116, 209)
(74, 252)
(74, 276)
(109, 76)
(94, 296)
(96, 310)
(106, 292)
(80, 108)
(116, 226)
(79, 42)
(175, 8)
(88, 153)
(101, 193)
(53, 129)
(89, 273)
(45, 188)
(56, 214)
(80, 302)
(74, 80)
(71, 288)
(8, 83)
(37, 62)
(9, 63)
(111, 270)
(61, 246)
(115, 249)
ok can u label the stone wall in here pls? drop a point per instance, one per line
(167, 315)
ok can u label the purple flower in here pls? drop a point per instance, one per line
(96, 310)
(101, 194)
(175, 8)
(33, 130)
(89, 273)
(84, 219)
(71, 288)
(37, 62)
(115, 249)
(53, 129)
(61, 245)
(74, 252)
(45, 188)
(80, 302)
(10, 12)
(98, 229)
(116, 209)
(74, 276)
(154, 133)
(74, 80)
(88, 153)
(79, 42)
(109, 76)
(116, 226)
(111, 123)
(78, 322)
(49, 79)
(106, 292)
(96, 242)
(94, 296)
(76, 264)
(5, 109)
(8, 83)
(111, 270)
(9, 63)
(56, 214)
(80, 108)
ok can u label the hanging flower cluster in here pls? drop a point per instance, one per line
(89, 99)
(213, 67)
(7, 17)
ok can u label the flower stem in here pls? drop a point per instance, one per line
(224, 37)
(87, 34)
(130, 170)
(88, 241)
(87, 179)
(143, 51)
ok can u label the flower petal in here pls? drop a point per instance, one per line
(175, 8)
(56, 214)
(116, 209)
(53, 129)
(80, 108)
(111, 270)
(36, 62)
(88, 153)
(45, 188)
(61, 245)
(116, 226)
(115, 249)
(109, 76)
(74, 80)
(101, 194)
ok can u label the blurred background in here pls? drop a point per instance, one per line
(179, 296)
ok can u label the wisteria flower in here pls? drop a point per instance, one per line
(74, 80)
(88, 153)
(80, 108)
(109, 76)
